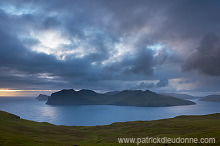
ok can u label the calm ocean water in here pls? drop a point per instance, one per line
(90, 115)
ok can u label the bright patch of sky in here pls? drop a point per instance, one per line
(15, 10)
(54, 42)
(50, 42)
(118, 51)
(156, 48)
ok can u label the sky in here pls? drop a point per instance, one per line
(103, 45)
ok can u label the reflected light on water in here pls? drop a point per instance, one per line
(49, 112)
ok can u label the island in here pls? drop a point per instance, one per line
(42, 97)
(122, 98)
(178, 95)
(211, 98)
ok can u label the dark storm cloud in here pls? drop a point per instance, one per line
(136, 66)
(19, 80)
(142, 63)
(149, 85)
(162, 83)
(189, 20)
(50, 22)
(19, 66)
(166, 56)
(206, 58)
(142, 86)
(100, 25)
(15, 56)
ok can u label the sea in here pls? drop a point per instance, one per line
(92, 115)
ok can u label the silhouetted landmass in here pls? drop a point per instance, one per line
(122, 98)
(42, 97)
(211, 98)
(20, 132)
(177, 95)
(111, 92)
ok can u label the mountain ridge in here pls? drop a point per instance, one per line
(42, 97)
(122, 98)
(211, 98)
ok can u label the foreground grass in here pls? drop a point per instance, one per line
(16, 131)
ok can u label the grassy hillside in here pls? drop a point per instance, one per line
(16, 131)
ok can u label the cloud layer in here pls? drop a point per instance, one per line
(206, 58)
(110, 45)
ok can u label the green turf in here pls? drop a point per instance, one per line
(16, 131)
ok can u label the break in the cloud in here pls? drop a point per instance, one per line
(171, 46)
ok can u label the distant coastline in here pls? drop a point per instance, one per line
(211, 98)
